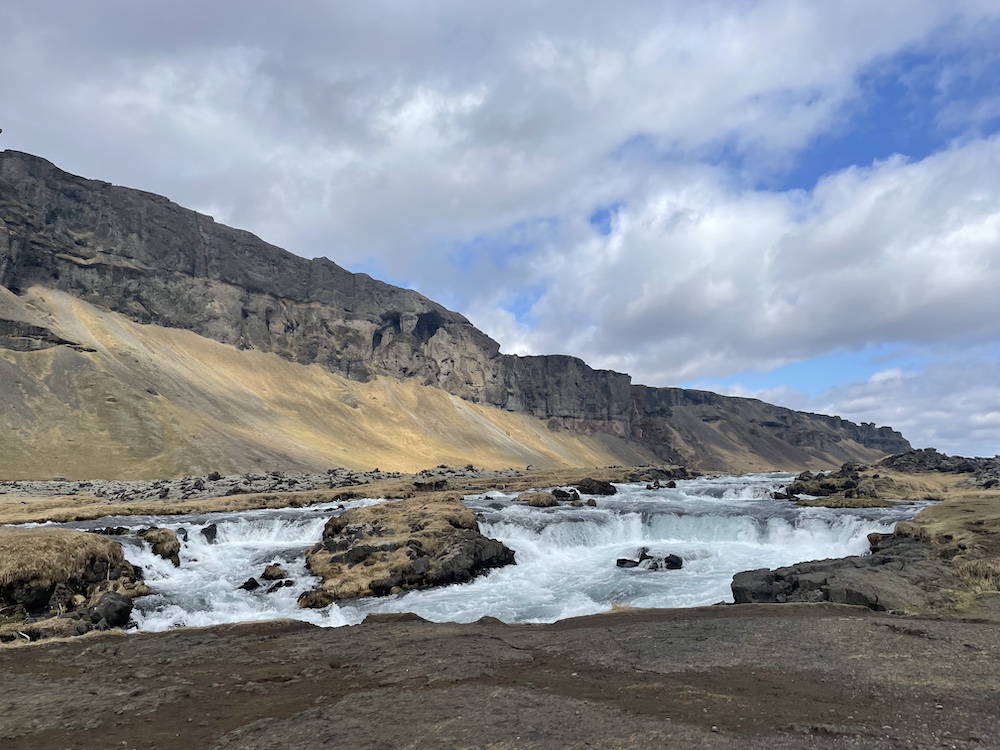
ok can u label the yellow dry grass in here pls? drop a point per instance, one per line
(44, 557)
(152, 402)
(432, 520)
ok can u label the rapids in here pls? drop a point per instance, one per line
(565, 556)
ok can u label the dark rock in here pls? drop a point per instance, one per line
(112, 531)
(279, 585)
(624, 562)
(61, 599)
(591, 486)
(754, 587)
(434, 485)
(673, 562)
(903, 574)
(112, 609)
(250, 584)
(214, 476)
(210, 532)
(566, 495)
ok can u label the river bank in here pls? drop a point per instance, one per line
(749, 677)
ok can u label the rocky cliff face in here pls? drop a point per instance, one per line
(145, 257)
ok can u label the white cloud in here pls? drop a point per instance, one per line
(402, 135)
(705, 279)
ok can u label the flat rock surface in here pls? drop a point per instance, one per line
(781, 676)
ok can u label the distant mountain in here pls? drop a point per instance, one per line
(128, 253)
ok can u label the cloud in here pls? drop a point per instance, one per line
(706, 279)
(463, 147)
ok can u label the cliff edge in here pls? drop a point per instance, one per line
(146, 258)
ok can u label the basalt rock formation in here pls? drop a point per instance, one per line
(58, 582)
(146, 258)
(900, 575)
(400, 546)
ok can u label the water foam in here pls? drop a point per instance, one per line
(566, 557)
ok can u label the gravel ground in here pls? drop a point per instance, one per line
(750, 676)
(215, 485)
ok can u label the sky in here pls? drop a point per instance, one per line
(789, 200)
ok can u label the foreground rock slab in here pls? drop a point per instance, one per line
(802, 676)
(900, 575)
(398, 546)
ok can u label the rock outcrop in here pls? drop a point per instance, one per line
(164, 543)
(59, 582)
(984, 470)
(901, 575)
(399, 546)
(147, 258)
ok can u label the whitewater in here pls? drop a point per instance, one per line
(566, 557)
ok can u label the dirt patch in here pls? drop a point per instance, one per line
(752, 677)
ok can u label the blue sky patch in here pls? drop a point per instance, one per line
(603, 217)
(818, 374)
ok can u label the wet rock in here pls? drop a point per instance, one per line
(591, 486)
(210, 532)
(538, 499)
(648, 561)
(566, 495)
(165, 544)
(672, 562)
(250, 584)
(273, 573)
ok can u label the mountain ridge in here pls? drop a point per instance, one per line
(144, 257)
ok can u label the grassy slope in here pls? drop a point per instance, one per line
(154, 402)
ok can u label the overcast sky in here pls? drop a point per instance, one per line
(798, 201)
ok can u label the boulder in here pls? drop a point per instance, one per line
(591, 486)
(564, 496)
(250, 584)
(399, 546)
(901, 574)
(165, 544)
(210, 532)
(651, 562)
(537, 499)
(273, 573)
(672, 562)
(112, 609)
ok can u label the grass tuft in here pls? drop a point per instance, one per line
(44, 557)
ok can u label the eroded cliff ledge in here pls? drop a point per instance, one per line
(145, 257)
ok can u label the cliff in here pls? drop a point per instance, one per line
(154, 262)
